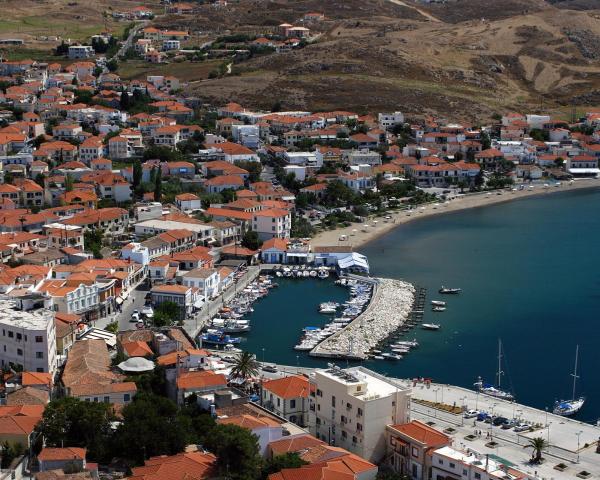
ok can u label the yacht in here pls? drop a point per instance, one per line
(491, 390)
(431, 326)
(438, 303)
(391, 356)
(567, 408)
(438, 309)
(450, 291)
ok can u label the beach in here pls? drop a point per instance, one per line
(358, 236)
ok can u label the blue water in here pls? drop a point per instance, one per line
(529, 271)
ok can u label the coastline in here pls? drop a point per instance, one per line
(356, 237)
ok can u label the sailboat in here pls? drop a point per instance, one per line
(567, 408)
(491, 390)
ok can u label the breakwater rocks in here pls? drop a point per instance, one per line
(390, 306)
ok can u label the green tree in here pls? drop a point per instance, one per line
(537, 444)
(112, 65)
(158, 185)
(301, 227)
(166, 313)
(137, 174)
(124, 101)
(152, 426)
(10, 451)
(72, 422)
(279, 462)
(245, 366)
(92, 240)
(237, 452)
(486, 142)
(250, 240)
(69, 181)
(253, 168)
(338, 194)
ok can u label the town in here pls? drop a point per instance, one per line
(134, 217)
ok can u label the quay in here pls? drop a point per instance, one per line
(390, 306)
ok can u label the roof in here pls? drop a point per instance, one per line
(422, 433)
(177, 289)
(68, 453)
(137, 349)
(249, 421)
(276, 243)
(201, 380)
(36, 378)
(288, 387)
(183, 466)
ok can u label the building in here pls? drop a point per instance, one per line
(387, 121)
(28, 339)
(59, 458)
(18, 422)
(351, 408)
(288, 398)
(188, 202)
(206, 280)
(184, 296)
(450, 464)
(409, 448)
(183, 466)
(77, 52)
(272, 223)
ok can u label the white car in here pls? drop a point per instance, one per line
(135, 317)
(471, 413)
(522, 427)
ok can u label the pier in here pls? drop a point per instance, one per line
(390, 306)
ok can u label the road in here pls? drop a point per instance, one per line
(129, 41)
(422, 12)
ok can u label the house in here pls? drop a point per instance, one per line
(194, 465)
(206, 280)
(60, 458)
(274, 251)
(223, 182)
(188, 202)
(288, 398)
(529, 172)
(184, 296)
(387, 121)
(18, 422)
(583, 166)
(318, 190)
(272, 222)
(77, 52)
(347, 467)
(489, 159)
(409, 448)
(199, 382)
(234, 152)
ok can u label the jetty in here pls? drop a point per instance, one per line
(390, 306)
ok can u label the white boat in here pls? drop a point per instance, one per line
(391, 356)
(378, 357)
(491, 390)
(567, 408)
(313, 273)
(449, 291)
(438, 303)
(438, 309)
(408, 343)
(305, 273)
(278, 274)
(431, 326)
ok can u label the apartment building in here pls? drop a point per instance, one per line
(27, 339)
(350, 408)
(288, 398)
(272, 223)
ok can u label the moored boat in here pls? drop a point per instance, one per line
(431, 326)
(450, 291)
(567, 408)
(438, 303)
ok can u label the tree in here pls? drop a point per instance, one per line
(92, 240)
(337, 193)
(486, 142)
(559, 162)
(124, 101)
(166, 313)
(250, 240)
(237, 452)
(74, 423)
(158, 185)
(137, 174)
(537, 444)
(279, 462)
(112, 66)
(69, 183)
(10, 451)
(301, 227)
(152, 426)
(245, 366)
(253, 168)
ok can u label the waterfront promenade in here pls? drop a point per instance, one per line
(358, 236)
(571, 442)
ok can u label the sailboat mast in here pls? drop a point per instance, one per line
(499, 363)
(574, 374)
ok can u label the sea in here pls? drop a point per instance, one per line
(529, 271)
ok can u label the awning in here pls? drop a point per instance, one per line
(584, 170)
(354, 260)
(199, 303)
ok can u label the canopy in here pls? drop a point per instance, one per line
(136, 364)
(354, 260)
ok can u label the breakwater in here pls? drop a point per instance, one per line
(389, 308)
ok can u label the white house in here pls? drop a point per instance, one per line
(288, 398)
(272, 222)
(388, 120)
(352, 407)
(81, 51)
(136, 252)
(28, 339)
(206, 280)
(188, 202)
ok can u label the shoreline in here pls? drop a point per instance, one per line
(356, 237)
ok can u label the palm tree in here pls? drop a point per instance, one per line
(245, 366)
(537, 444)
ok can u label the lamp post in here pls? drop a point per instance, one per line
(263, 355)
(578, 436)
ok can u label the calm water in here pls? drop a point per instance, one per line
(529, 271)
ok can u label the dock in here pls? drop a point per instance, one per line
(390, 306)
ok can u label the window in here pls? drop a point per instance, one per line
(126, 397)
(477, 475)
(39, 354)
(415, 452)
(19, 352)
(96, 399)
(452, 465)
(440, 461)
(415, 470)
(359, 427)
(39, 370)
(354, 439)
(292, 403)
(333, 400)
(319, 393)
(359, 412)
(19, 336)
(344, 434)
(106, 399)
(465, 472)
(278, 402)
(10, 334)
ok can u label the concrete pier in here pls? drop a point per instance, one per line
(389, 308)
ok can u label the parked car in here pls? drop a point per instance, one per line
(269, 368)
(510, 424)
(481, 416)
(522, 427)
(135, 316)
(471, 413)
(499, 421)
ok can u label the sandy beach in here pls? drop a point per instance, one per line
(357, 235)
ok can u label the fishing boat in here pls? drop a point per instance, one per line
(450, 291)
(313, 273)
(323, 273)
(491, 390)
(438, 303)
(218, 338)
(438, 309)
(567, 408)
(431, 326)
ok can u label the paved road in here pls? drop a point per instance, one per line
(129, 41)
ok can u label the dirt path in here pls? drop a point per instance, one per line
(422, 12)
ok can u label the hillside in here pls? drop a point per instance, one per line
(467, 58)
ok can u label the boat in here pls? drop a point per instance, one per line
(378, 357)
(438, 309)
(408, 343)
(567, 408)
(438, 303)
(313, 273)
(431, 326)
(450, 291)
(147, 311)
(218, 338)
(278, 274)
(391, 356)
(491, 390)
(323, 273)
